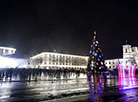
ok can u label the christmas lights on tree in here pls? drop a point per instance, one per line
(96, 59)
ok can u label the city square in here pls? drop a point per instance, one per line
(68, 51)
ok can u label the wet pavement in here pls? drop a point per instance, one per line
(85, 88)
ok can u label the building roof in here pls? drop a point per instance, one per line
(38, 55)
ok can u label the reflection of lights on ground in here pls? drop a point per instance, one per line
(127, 83)
(4, 96)
(96, 85)
(4, 85)
(4, 88)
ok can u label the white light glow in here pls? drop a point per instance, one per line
(41, 54)
(47, 65)
(6, 62)
(8, 48)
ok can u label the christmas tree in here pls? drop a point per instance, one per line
(96, 59)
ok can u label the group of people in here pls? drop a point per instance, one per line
(33, 74)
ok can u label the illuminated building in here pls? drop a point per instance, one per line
(8, 58)
(6, 51)
(130, 54)
(57, 60)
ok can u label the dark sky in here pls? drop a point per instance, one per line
(34, 26)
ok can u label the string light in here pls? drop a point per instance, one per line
(93, 47)
(96, 57)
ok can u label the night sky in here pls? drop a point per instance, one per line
(35, 26)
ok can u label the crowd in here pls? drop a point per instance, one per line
(33, 74)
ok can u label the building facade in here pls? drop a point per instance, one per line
(50, 60)
(130, 54)
(7, 60)
(58, 60)
(112, 63)
(6, 51)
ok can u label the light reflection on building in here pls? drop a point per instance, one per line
(126, 75)
(130, 54)
(126, 70)
(56, 60)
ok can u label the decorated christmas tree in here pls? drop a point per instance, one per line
(96, 59)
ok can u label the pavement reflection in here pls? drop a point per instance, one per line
(100, 87)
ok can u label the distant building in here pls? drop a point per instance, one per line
(112, 63)
(6, 51)
(57, 60)
(130, 54)
(9, 59)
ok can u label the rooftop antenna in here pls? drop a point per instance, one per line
(94, 32)
(126, 41)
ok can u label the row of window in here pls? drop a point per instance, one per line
(66, 63)
(111, 67)
(115, 62)
(63, 67)
(53, 57)
(110, 62)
